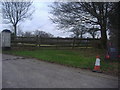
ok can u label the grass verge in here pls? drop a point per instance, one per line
(82, 58)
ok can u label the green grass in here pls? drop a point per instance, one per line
(82, 58)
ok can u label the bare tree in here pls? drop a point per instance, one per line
(79, 31)
(15, 12)
(42, 34)
(68, 14)
(28, 34)
(93, 32)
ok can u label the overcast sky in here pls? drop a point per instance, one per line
(40, 21)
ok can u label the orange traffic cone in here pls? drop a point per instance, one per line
(97, 65)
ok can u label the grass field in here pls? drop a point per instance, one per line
(82, 58)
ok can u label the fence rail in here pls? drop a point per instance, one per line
(58, 42)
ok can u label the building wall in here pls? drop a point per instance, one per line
(6, 39)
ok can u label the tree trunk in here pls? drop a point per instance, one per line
(103, 36)
(81, 35)
(93, 35)
(15, 30)
(77, 35)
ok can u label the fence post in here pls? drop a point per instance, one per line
(22, 42)
(39, 41)
(86, 43)
(36, 40)
(79, 42)
(57, 42)
(73, 43)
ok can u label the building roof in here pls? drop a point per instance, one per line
(6, 30)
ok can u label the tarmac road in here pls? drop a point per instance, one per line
(19, 72)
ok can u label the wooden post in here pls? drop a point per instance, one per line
(39, 41)
(79, 43)
(86, 41)
(16, 41)
(73, 43)
(36, 40)
(22, 42)
(57, 42)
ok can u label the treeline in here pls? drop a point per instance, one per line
(34, 34)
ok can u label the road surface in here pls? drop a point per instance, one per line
(19, 72)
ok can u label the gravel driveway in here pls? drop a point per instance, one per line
(19, 72)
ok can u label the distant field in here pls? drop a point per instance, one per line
(48, 45)
(82, 58)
